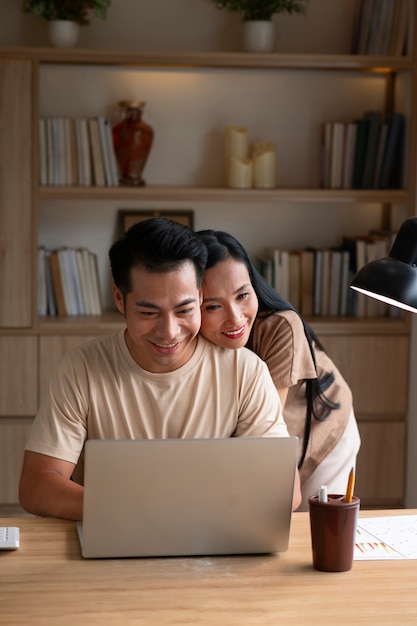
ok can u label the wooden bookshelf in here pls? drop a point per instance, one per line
(30, 346)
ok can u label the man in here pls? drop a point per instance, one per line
(157, 378)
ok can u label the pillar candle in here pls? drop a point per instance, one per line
(264, 165)
(240, 173)
(237, 145)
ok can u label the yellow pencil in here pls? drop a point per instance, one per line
(350, 485)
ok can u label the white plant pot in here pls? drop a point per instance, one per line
(258, 36)
(63, 33)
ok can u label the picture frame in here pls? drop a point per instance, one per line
(129, 217)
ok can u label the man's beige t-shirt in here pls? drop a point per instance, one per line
(100, 392)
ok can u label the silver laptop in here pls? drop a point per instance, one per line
(180, 497)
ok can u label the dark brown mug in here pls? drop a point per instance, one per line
(333, 532)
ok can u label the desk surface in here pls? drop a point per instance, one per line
(47, 582)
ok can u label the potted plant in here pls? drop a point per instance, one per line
(257, 15)
(66, 16)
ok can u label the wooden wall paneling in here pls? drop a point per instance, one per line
(16, 285)
(13, 436)
(376, 368)
(18, 375)
(380, 475)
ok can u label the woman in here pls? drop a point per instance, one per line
(241, 309)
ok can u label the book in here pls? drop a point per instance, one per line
(112, 172)
(95, 282)
(336, 154)
(73, 178)
(294, 272)
(365, 26)
(69, 155)
(325, 282)
(83, 256)
(306, 282)
(349, 147)
(279, 270)
(57, 283)
(96, 153)
(375, 27)
(68, 286)
(400, 28)
(317, 281)
(360, 150)
(52, 310)
(344, 282)
(42, 296)
(355, 247)
(55, 151)
(386, 26)
(49, 151)
(265, 267)
(371, 149)
(390, 177)
(356, 27)
(62, 155)
(105, 150)
(334, 281)
(74, 276)
(84, 153)
(383, 133)
(86, 296)
(43, 161)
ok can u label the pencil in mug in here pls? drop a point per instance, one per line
(350, 486)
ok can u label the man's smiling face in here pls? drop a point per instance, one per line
(162, 313)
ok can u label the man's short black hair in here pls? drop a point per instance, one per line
(158, 245)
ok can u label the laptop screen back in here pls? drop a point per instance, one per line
(177, 497)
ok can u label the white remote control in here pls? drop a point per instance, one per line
(9, 537)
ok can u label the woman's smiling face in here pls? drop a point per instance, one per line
(229, 304)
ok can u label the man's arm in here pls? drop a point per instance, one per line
(46, 487)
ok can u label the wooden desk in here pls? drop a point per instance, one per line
(47, 582)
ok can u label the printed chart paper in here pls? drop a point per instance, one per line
(386, 538)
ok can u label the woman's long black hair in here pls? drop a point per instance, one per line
(221, 246)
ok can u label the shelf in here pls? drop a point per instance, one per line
(113, 321)
(219, 194)
(110, 321)
(232, 60)
(360, 326)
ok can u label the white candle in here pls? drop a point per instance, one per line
(240, 173)
(237, 145)
(264, 165)
(237, 142)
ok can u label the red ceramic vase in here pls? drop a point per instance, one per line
(132, 138)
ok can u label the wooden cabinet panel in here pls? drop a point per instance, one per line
(16, 284)
(18, 375)
(381, 464)
(376, 368)
(52, 349)
(13, 436)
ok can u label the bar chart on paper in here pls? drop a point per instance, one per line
(386, 538)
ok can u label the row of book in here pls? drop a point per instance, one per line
(68, 282)
(366, 153)
(77, 152)
(316, 280)
(383, 27)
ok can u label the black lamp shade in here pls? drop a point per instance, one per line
(394, 278)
